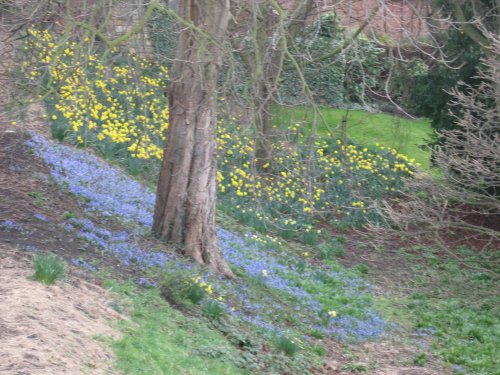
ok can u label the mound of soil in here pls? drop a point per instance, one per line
(51, 329)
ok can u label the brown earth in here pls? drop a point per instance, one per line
(51, 329)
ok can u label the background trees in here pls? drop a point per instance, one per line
(464, 198)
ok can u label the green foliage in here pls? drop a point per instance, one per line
(181, 288)
(355, 367)
(427, 94)
(319, 350)
(420, 359)
(317, 334)
(160, 340)
(59, 130)
(163, 36)
(213, 310)
(38, 199)
(407, 74)
(454, 303)
(340, 80)
(331, 250)
(48, 268)
(362, 268)
(287, 345)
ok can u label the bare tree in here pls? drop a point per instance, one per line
(263, 43)
(466, 196)
(186, 194)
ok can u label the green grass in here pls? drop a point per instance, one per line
(48, 268)
(369, 129)
(161, 340)
(457, 305)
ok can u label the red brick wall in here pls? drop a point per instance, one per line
(398, 19)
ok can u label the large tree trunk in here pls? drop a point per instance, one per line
(186, 195)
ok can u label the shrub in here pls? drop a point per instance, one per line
(179, 289)
(286, 345)
(213, 310)
(427, 93)
(469, 162)
(330, 250)
(48, 268)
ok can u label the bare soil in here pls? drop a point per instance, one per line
(51, 329)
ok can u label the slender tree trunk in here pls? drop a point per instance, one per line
(271, 36)
(186, 195)
(264, 126)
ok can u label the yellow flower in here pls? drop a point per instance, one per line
(332, 313)
(264, 273)
(306, 254)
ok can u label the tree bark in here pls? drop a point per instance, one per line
(263, 125)
(186, 195)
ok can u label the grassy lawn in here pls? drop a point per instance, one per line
(370, 129)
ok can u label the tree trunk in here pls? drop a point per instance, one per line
(186, 195)
(271, 36)
(264, 127)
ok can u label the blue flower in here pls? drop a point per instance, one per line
(81, 263)
(10, 224)
(41, 217)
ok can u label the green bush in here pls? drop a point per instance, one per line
(48, 268)
(213, 310)
(426, 93)
(286, 345)
(181, 289)
(330, 250)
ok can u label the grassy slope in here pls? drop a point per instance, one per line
(366, 128)
(161, 340)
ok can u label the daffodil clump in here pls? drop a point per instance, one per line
(327, 180)
(119, 100)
